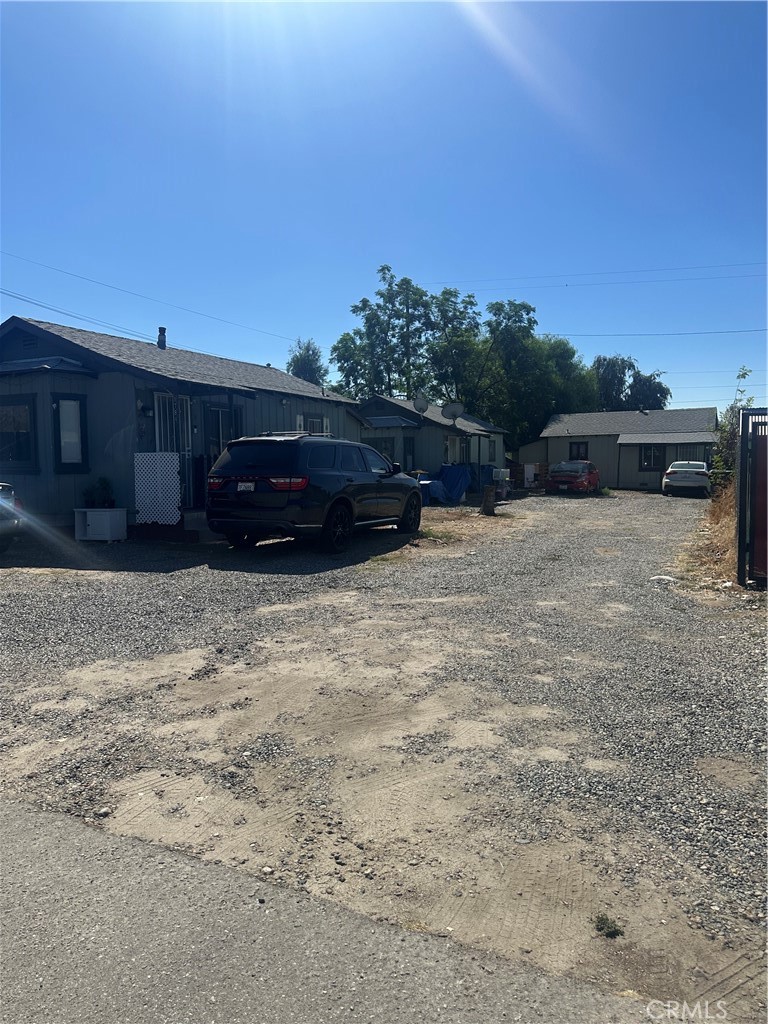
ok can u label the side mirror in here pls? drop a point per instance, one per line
(396, 468)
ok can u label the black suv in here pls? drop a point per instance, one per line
(292, 485)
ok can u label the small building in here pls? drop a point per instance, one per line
(76, 406)
(630, 449)
(428, 440)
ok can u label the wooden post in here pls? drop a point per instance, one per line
(488, 507)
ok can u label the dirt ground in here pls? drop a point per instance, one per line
(332, 755)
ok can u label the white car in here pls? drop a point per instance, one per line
(687, 476)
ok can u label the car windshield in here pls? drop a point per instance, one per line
(257, 456)
(569, 467)
(689, 465)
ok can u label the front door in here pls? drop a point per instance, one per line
(173, 433)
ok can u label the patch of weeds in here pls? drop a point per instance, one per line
(441, 536)
(607, 927)
(606, 492)
(381, 561)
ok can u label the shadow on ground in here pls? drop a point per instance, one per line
(276, 557)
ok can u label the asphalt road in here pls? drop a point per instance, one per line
(101, 930)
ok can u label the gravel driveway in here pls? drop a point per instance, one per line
(495, 733)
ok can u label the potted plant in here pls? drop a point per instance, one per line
(99, 495)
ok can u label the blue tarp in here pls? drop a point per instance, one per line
(438, 492)
(456, 480)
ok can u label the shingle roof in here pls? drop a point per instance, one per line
(469, 424)
(654, 421)
(693, 437)
(184, 365)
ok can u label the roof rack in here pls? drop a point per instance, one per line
(294, 433)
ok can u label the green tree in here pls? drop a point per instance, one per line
(622, 386)
(306, 361)
(386, 354)
(453, 349)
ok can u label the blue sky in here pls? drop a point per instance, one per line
(605, 162)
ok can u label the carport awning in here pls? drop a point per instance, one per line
(696, 437)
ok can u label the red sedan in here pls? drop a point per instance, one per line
(576, 476)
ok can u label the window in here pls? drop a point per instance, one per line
(464, 450)
(492, 450)
(352, 459)
(376, 463)
(18, 433)
(322, 456)
(694, 453)
(409, 448)
(578, 450)
(386, 445)
(651, 457)
(70, 434)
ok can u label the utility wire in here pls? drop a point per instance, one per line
(149, 298)
(662, 334)
(600, 273)
(659, 280)
(284, 337)
(77, 316)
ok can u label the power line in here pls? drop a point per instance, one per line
(601, 273)
(700, 387)
(659, 280)
(149, 298)
(662, 334)
(77, 316)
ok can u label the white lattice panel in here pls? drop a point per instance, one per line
(158, 487)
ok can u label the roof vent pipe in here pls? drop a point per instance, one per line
(161, 337)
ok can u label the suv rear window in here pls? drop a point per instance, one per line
(255, 456)
(322, 456)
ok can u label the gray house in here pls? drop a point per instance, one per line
(427, 441)
(630, 449)
(76, 406)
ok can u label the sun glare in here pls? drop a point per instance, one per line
(537, 63)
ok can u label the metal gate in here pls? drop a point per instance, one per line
(173, 433)
(752, 496)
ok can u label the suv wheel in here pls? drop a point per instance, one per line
(241, 540)
(337, 528)
(411, 517)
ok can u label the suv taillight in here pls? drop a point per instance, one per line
(288, 483)
(215, 483)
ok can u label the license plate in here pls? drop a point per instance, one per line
(563, 487)
(246, 486)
